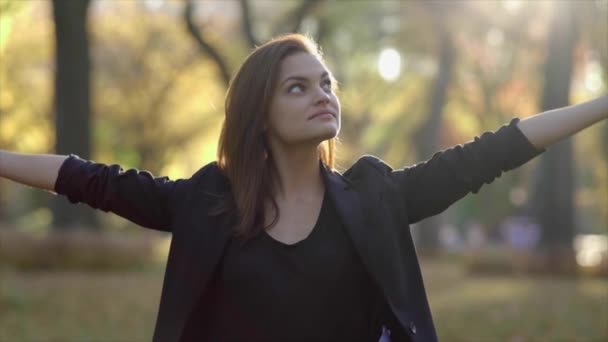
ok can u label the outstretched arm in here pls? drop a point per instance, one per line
(432, 186)
(551, 126)
(133, 194)
(37, 170)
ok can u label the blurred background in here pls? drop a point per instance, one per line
(141, 83)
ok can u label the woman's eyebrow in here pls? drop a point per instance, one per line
(303, 78)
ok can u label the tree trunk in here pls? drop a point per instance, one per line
(72, 100)
(428, 136)
(554, 189)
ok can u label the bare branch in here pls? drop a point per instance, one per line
(300, 13)
(322, 30)
(248, 24)
(292, 22)
(203, 45)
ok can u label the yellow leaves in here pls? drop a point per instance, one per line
(25, 78)
(25, 137)
(200, 151)
(7, 99)
(461, 122)
(5, 30)
(153, 88)
(9, 11)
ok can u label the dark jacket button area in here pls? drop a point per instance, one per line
(412, 328)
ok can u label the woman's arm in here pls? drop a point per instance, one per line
(133, 194)
(37, 170)
(432, 186)
(551, 126)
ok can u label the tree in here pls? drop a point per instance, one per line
(72, 99)
(554, 188)
(148, 88)
(295, 18)
(427, 138)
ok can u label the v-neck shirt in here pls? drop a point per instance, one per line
(313, 290)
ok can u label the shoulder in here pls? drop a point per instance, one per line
(211, 169)
(368, 166)
(210, 178)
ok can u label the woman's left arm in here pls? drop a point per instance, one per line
(551, 126)
(432, 186)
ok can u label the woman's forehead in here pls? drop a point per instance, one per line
(302, 65)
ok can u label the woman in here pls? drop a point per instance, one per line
(269, 243)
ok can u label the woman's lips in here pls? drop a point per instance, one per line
(322, 114)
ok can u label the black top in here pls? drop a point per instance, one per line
(313, 290)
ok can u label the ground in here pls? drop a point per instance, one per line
(122, 306)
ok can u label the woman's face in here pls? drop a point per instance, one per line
(304, 108)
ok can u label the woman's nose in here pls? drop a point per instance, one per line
(322, 96)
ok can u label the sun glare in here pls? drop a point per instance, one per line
(593, 78)
(512, 6)
(153, 5)
(389, 64)
(590, 249)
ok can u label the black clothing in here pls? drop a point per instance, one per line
(375, 203)
(313, 290)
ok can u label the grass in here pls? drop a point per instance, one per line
(78, 306)
(122, 306)
(501, 308)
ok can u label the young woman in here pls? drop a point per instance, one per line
(269, 243)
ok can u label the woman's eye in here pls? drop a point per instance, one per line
(296, 88)
(327, 85)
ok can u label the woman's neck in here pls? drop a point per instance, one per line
(298, 171)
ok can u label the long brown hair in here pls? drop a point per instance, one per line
(243, 153)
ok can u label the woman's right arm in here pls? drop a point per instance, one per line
(133, 194)
(37, 170)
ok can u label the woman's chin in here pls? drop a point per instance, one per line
(329, 134)
(317, 137)
(329, 131)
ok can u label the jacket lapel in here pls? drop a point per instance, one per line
(193, 259)
(371, 238)
(348, 204)
(346, 201)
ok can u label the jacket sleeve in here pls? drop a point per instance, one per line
(135, 195)
(432, 186)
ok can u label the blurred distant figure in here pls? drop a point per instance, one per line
(450, 238)
(520, 232)
(475, 235)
